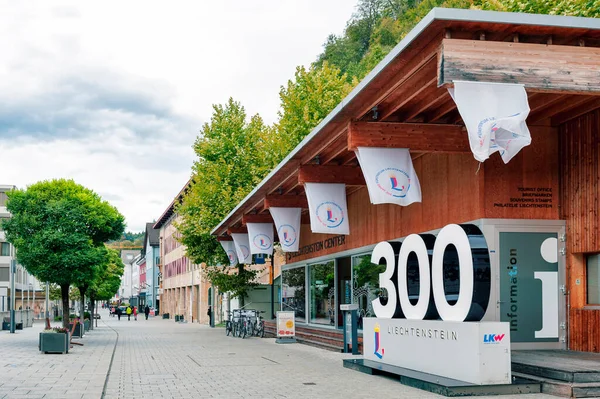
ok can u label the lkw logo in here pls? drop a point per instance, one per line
(493, 338)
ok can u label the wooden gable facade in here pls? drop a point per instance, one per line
(404, 102)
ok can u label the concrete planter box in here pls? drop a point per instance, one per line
(5, 325)
(78, 330)
(54, 342)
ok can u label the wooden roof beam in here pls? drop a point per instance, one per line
(348, 175)
(260, 218)
(565, 116)
(224, 238)
(552, 69)
(414, 136)
(420, 81)
(286, 201)
(569, 103)
(237, 230)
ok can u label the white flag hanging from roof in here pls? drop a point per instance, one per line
(261, 238)
(390, 176)
(287, 224)
(494, 114)
(328, 209)
(242, 248)
(229, 248)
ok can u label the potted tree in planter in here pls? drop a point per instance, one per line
(54, 340)
(78, 331)
(58, 229)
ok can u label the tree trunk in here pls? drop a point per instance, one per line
(64, 292)
(92, 311)
(82, 291)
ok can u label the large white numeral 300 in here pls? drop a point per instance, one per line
(429, 277)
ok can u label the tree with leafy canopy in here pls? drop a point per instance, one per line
(234, 154)
(378, 25)
(306, 100)
(58, 229)
(236, 282)
(108, 281)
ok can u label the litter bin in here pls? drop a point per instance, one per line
(350, 327)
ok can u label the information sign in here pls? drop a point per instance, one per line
(286, 325)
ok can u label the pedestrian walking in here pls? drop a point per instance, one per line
(128, 311)
(146, 311)
(119, 312)
(135, 313)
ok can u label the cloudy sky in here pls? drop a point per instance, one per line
(112, 94)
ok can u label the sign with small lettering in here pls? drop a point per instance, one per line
(529, 197)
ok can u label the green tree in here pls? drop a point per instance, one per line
(236, 283)
(59, 228)
(108, 281)
(232, 159)
(234, 154)
(306, 100)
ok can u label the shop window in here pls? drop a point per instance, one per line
(4, 249)
(365, 285)
(293, 295)
(322, 293)
(593, 279)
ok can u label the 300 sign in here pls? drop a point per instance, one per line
(472, 255)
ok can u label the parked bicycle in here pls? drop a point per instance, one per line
(257, 324)
(229, 324)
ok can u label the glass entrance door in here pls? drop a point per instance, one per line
(344, 286)
(530, 298)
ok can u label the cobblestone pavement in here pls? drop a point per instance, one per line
(163, 359)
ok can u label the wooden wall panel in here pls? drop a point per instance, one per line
(579, 144)
(454, 191)
(580, 181)
(451, 194)
(532, 175)
(585, 324)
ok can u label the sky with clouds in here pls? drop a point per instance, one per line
(112, 94)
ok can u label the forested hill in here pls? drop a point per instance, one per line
(378, 25)
(129, 240)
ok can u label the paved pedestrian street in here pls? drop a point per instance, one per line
(163, 359)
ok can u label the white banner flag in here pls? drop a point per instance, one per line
(261, 238)
(328, 209)
(494, 114)
(390, 176)
(229, 248)
(287, 224)
(242, 248)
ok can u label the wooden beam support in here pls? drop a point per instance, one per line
(569, 103)
(237, 230)
(286, 201)
(559, 119)
(417, 137)
(262, 218)
(224, 238)
(555, 69)
(349, 175)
